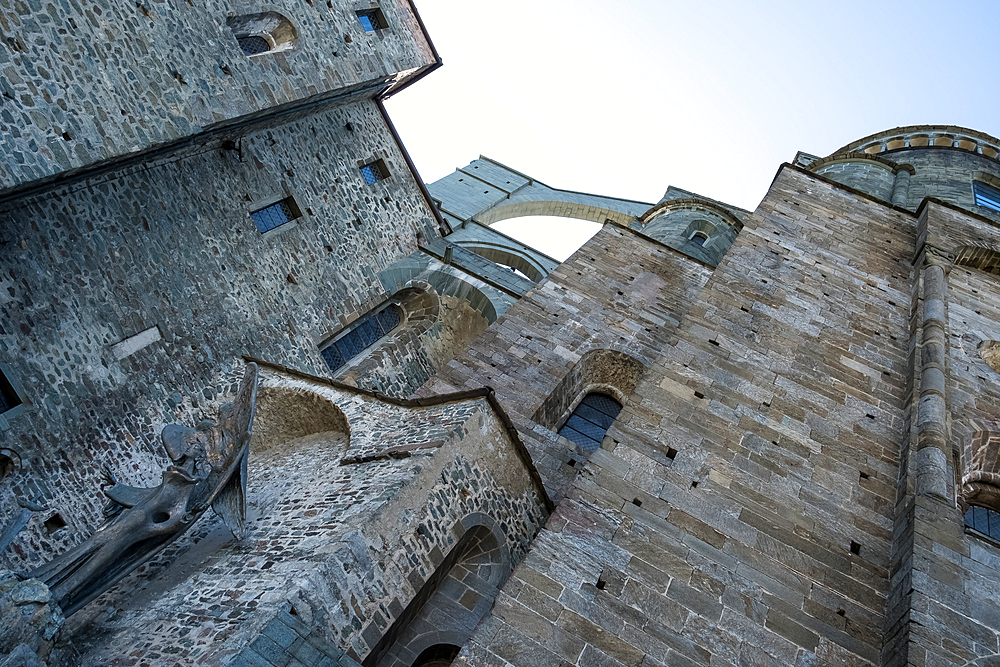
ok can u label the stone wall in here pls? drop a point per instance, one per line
(345, 528)
(620, 292)
(868, 176)
(741, 508)
(86, 82)
(169, 253)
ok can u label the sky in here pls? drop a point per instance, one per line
(626, 98)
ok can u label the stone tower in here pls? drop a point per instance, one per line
(712, 436)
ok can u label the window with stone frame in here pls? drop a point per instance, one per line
(362, 335)
(986, 195)
(372, 19)
(276, 214)
(591, 420)
(266, 32)
(699, 238)
(374, 171)
(983, 520)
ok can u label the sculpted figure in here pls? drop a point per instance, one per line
(209, 469)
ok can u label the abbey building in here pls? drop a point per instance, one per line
(268, 399)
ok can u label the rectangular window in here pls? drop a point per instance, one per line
(275, 215)
(374, 171)
(372, 19)
(8, 397)
(986, 195)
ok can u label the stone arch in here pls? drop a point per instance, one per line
(675, 222)
(287, 413)
(272, 29)
(10, 463)
(562, 209)
(690, 203)
(925, 136)
(508, 256)
(981, 467)
(453, 600)
(444, 281)
(984, 258)
(598, 371)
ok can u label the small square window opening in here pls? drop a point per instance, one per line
(275, 215)
(374, 171)
(372, 19)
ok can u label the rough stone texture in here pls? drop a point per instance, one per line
(870, 177)
(341, 531)
(173, 246)
(620, 292)
(30, 625)
(776, 396)
(88, 82)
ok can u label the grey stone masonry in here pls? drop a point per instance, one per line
(86, 268)
(89, 82)
(741, 509)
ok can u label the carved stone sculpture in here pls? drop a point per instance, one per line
(209, 469)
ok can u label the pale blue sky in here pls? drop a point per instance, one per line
(626, 98)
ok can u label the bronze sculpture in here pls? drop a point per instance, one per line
(209, 469)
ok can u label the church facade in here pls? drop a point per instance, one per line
(712, 436)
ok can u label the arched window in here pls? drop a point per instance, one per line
(439, 655)
(591, 420)
(983, 520)
(699, 238)
(362, 335)
(263, 33)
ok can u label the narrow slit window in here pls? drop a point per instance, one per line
(986, 195)
(372, 19)
(374, 171)
(365, 333)
(275, 215)
(591, 420)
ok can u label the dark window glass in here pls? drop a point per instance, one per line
(986, 195)
(983, 520)
(591, 420)
(252, 45)
(699, 239)
(274, 215)
(8, 397)
(362, 335)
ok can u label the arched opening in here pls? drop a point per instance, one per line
(506, 257)
(9, 463)
(439, 655)
(698, 238)
(983, 258)
(556, 236)
(286, 413)
(266, 32)
(449, 605)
